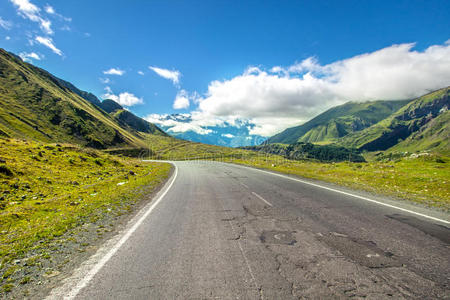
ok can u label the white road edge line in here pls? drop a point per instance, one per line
(352, 195)
(262, 199)
(83, 282)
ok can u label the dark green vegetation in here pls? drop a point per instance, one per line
(422, 124)
(38, 106)
(309, 151)
(47, 190)
(338, 121)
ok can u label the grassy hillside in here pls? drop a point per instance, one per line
(338, 122)
(419, 116)
(126, 118)
(36, 105)
(434, 135)
(49, 189)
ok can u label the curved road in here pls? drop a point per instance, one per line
(221, 231)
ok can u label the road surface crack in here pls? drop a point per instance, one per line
(279, 261)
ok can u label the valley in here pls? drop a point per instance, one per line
(75, 169)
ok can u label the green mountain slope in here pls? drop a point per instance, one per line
(125, 117)
(338, 121)
(37, 105)
(435, 135)
(422, 124)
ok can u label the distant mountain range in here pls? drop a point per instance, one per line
(37, 105)
(409, 125)
(229, 135)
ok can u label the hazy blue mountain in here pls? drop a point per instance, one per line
(231, 135)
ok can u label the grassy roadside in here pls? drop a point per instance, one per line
(48, 190)
(424, 179)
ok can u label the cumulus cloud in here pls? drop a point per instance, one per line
(114, 71)
(181, 100)
(140, 73)
(48, 42)
(288, 96)
(228, 135)
(29, 11)
(173, 75)
(29, 56)
(124, 99)
(5, 24)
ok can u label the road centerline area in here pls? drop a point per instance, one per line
(262, 199)
(350, 194)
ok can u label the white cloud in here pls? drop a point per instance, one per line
(7, 38)
(289, 96)
(114, 71)
(66, 28)
(140, 73)
(183, 127)
(29, 56)
(181, 100)
(124, 99)
(46, 26)
(173, 75)
(5, 24)
(29, 11)
(177, 125)
(48, 42)
(228, 135)
(49, 9)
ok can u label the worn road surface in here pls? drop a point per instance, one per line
(228, 232)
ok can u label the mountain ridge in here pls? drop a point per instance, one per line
(338, 121)
(420, 124)
(40, 106)
(405, 124)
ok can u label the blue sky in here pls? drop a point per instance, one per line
(221, 54)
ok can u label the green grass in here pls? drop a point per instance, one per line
(49, 189)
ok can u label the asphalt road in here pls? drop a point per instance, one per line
(228, 232)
